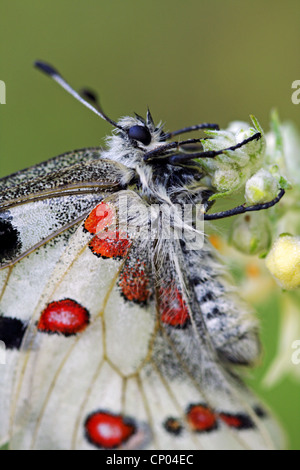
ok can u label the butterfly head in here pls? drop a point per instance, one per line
(136, 131)
(134, 138)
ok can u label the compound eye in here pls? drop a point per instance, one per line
(140, 133)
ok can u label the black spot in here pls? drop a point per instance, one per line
(11, 332)
(196, 280)
(207, 297)
(10, 242)
(260, 412)
(140, 133)
(215, 312)
(173, 426)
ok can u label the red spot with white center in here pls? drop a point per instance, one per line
(101, 217)
(134, 282)
(173, 308)
(107, 431)
(64, 316)
(110, 244)
(201, 418)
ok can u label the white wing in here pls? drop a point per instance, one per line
(119, 353)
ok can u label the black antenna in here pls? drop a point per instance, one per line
(53, 73)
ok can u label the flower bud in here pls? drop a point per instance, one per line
(283, 261)
(251, 234)
(225, 179)
(261, 187)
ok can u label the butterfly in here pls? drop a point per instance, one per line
(120, 333)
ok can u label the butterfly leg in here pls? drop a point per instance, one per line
(242, 209)
(183, 157)
(196, 127)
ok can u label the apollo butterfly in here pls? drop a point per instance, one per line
(120, 333)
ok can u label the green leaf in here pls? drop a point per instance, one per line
(284, 183)
(216, 196)
(256, 124)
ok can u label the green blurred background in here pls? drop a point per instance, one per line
(190, 61)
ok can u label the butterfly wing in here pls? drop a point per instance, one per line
(84, 280)
(35, 227)
(51, 166)
(150, 363)
(41, 202)
(204, 332)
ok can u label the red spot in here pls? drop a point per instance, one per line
(173, 309)
(237, 421)
(64, 316)
(110, 244)
(106, 430)
(134, 282)
(101, 217)
(201, 418)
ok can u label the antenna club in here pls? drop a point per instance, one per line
(53, 73)
(46, 68)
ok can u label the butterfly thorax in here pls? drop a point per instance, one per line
(155, 180)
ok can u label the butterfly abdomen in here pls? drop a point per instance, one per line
(230, 322)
